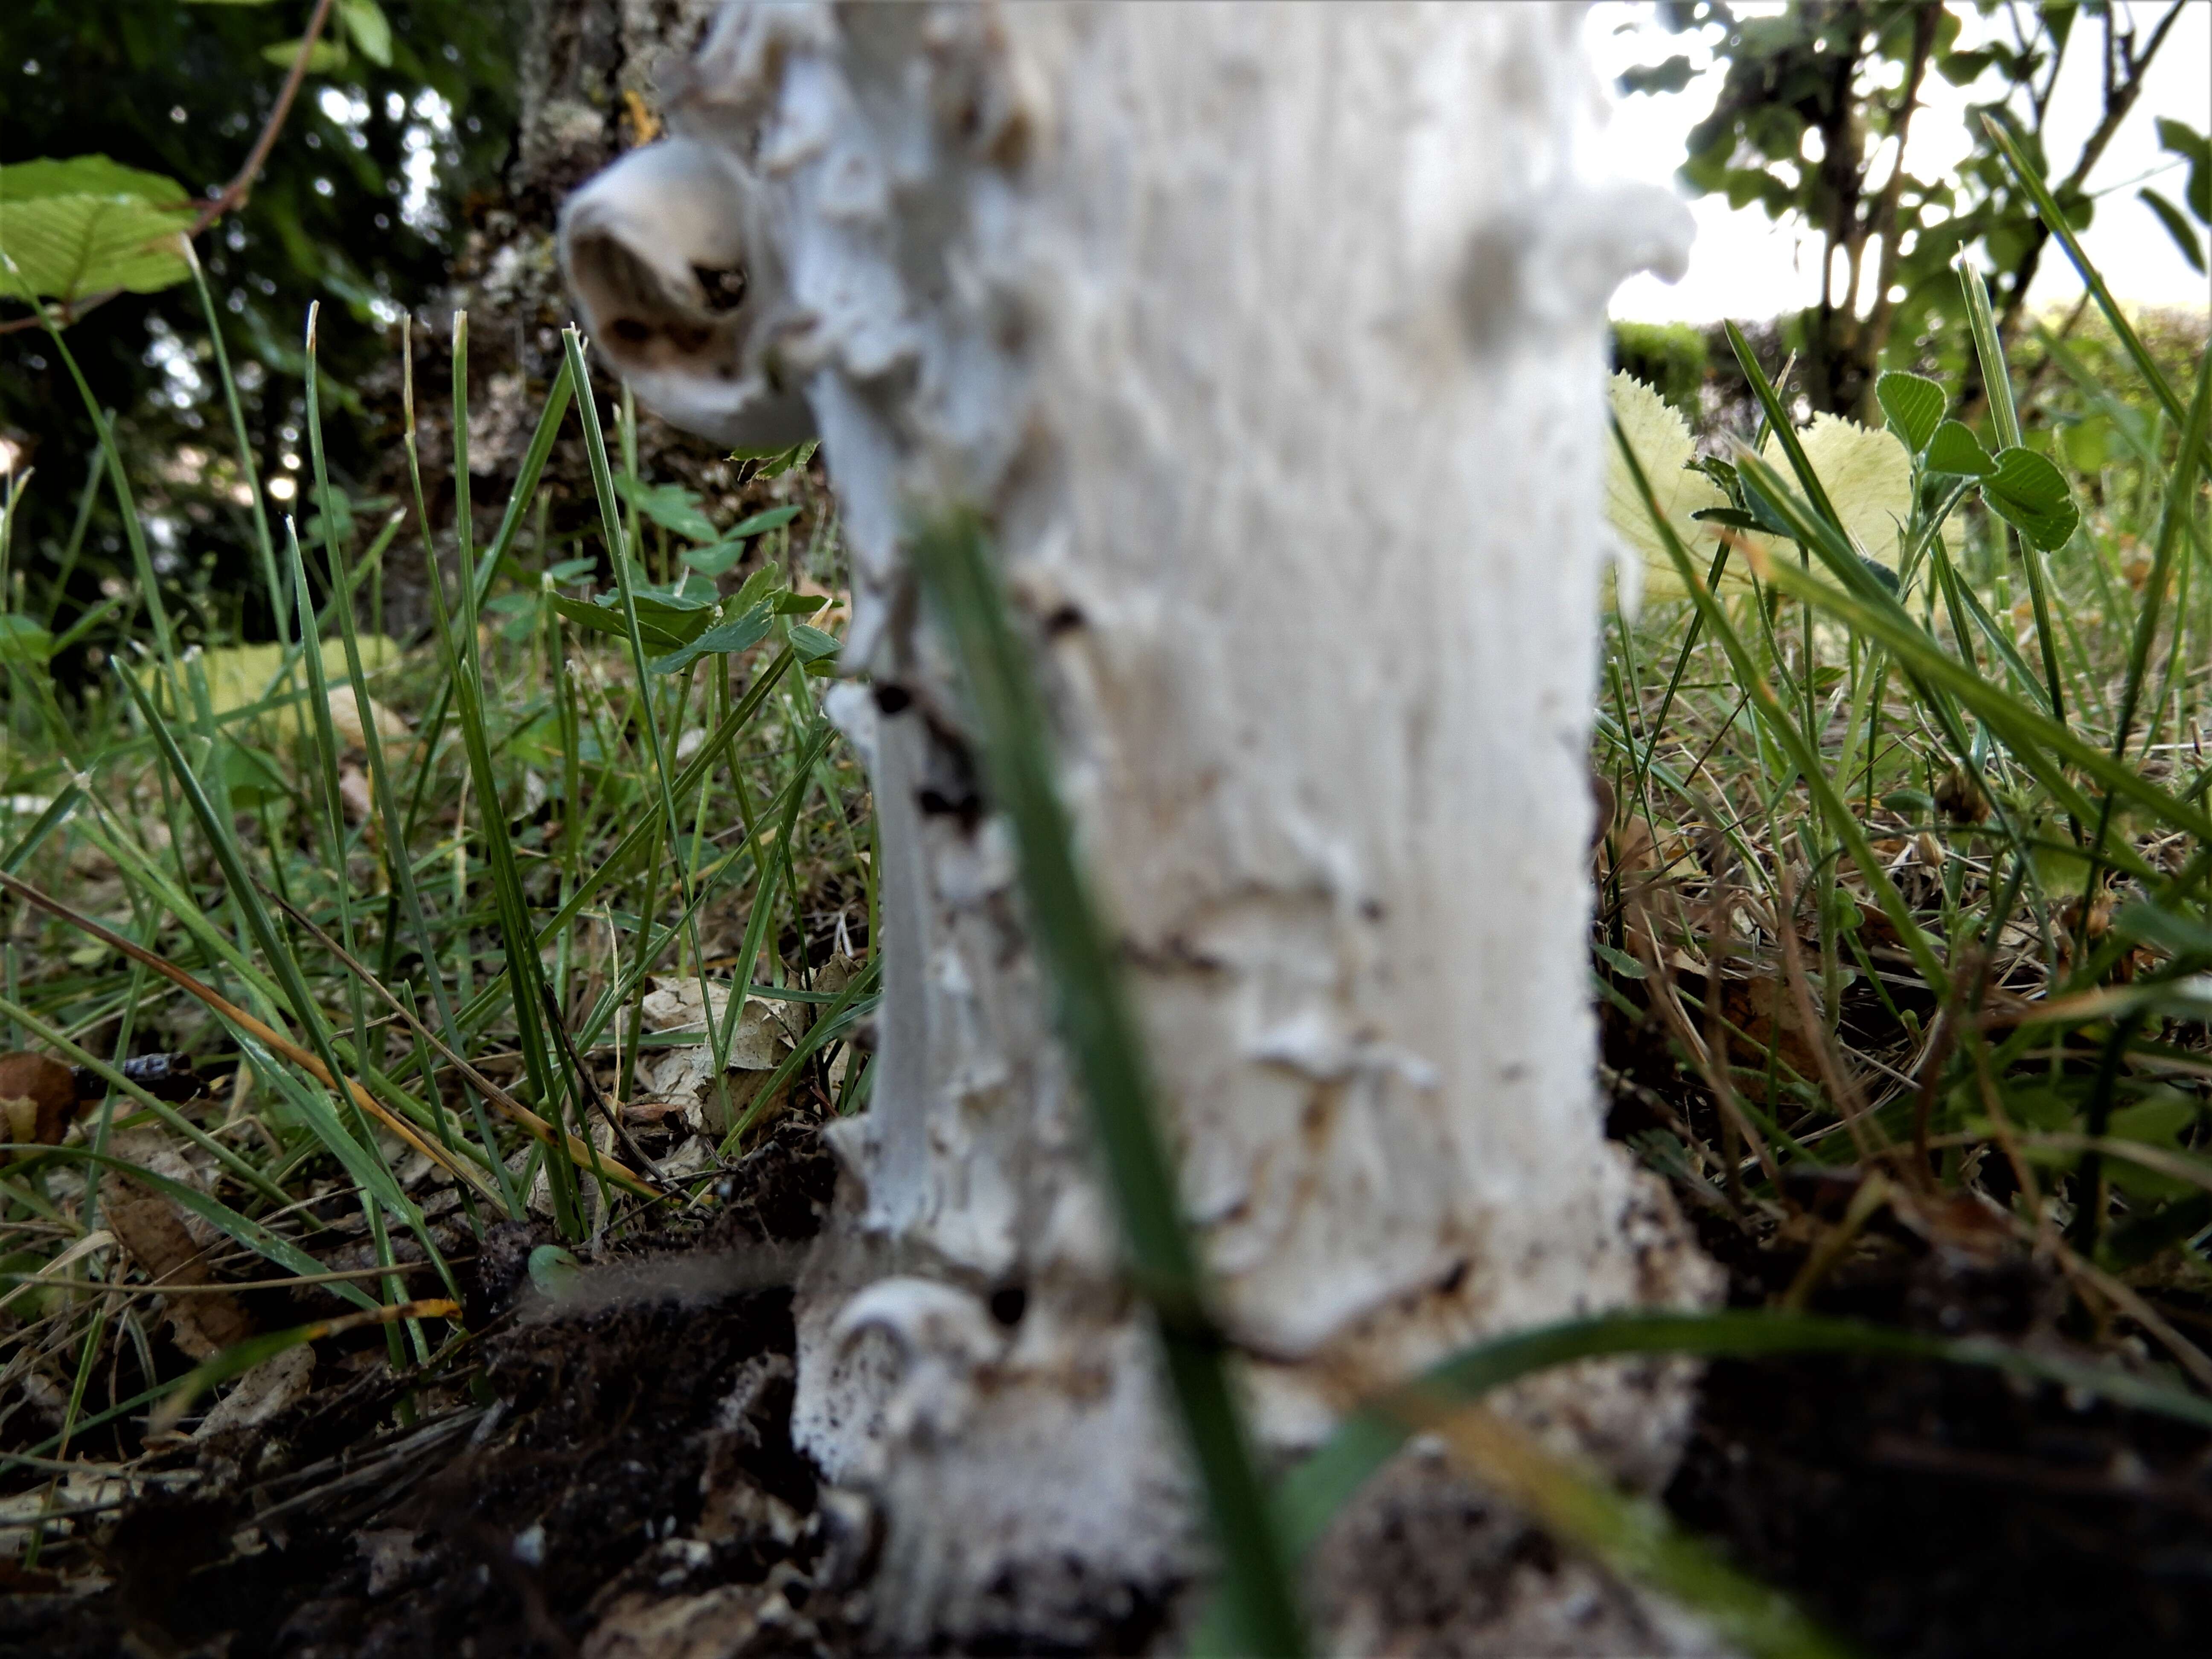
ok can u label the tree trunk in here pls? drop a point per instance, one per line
(1269, 343)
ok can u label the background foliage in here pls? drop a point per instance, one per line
(1816, 107)
(361, 205)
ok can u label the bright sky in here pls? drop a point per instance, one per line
(1745, 265)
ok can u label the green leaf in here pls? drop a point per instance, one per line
(80, 227)
(1620, 960)
(327, 56)
(597, 617)
(1962, 69)
(775, 463)
(748, 631)
(1955, 448)
(1914, 405)
(799, 605)
(714, 560)
(669, 506)
(2184, 140)
(764, 586)
(252, 776)
(667, 623)
(2178, 936)
(811, 645)
(2183, 233)
(367, 26)
(2196, 147)
(2029, 491)
(572, 570)
(773, 518)
(666, 617)
(553, 1270)
(24, 641)
(2157, 1120)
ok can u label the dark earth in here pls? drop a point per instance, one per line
(614, 1477)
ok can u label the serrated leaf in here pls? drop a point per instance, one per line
(75, 228)
(811, 645)
(367, 26)
(669, 506)
(729, 639)
(325, 57)
(1914, 405)
(1955, 449)
(597, 617)
(2031, 493)
(671, 620)
(763, 586)
(773, 462)
(2178, 227)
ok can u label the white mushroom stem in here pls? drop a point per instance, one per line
(1270, 342)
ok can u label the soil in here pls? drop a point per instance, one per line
(1929, 1510)
(614, 1479)
(617, 1467)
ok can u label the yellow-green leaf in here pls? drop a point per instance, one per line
(80, 227)
(367, 26)
(1913, 404)
(326, 56)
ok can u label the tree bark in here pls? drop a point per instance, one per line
(1269, 343)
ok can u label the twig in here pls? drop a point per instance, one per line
(232, 196)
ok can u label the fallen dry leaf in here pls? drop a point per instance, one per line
(155, 1234)
(262, 1394)
(38, 1099)
(353, 793)
(353, 732)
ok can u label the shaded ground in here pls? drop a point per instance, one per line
(614, 1479)
(619, 1467)
(1930, 1510)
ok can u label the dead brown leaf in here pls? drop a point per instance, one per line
(152, 1229)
